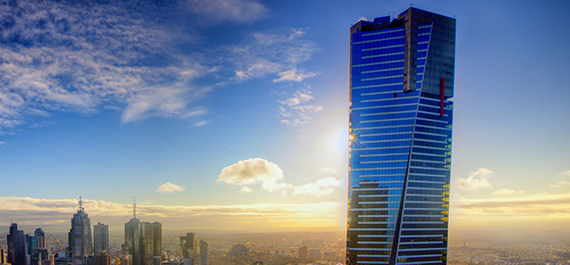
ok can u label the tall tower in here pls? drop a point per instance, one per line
(401, 80)
(143, 240)
(100, 238)
(17, 247)
(81, 245)
(133, 237)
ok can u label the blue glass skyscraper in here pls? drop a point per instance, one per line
(401, 80)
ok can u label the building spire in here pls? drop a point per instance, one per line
(134, 207)
(80, 204)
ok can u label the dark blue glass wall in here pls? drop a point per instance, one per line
(400, 153)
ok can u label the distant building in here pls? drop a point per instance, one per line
(100, 238)
(32, 242)
(3, 256)
(16, 242)
(39, 256)
(143, 240)
(156, 260)
(239, 249)
(303, 252)
(187, 246)
(203, 257)
(80, 240)
(313, 243)
(315, 254)
(103, 258)
(41, 237)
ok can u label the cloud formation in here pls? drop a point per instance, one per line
(251, 171)
(58, 56)
(254, 217)
(560, 184)
(169, 187)
(476, 180)
(318, 189)
(506, 191)
(265, 54)
(257, 170)
(329, 170)
(228, 10)
(566, 173)
(293, 75)
(537, 205)
(246, 190)
(295, 111)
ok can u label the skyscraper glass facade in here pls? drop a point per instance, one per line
(401, 81)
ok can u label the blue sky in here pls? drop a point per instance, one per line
(241, 107)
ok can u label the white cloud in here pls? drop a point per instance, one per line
(566, 173)
(245, 190)
(296, 33)
(330, 170)
(475, 180)
(201, 123)
(228, 10)
(506, 191)
(257, 170)
(251, 171)
(294, 75)
(169, 187)
(295, 111)
(80, 60)
(318, 189)
(474, 183)
(560, 184)
(298, 98)
(266, 54)
(481, 172)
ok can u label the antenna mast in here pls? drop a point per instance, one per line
(80, 204)
(134, 207)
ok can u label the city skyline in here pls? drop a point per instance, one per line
(171, 102)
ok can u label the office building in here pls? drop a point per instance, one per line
(80, 240)
(41, 238)
(17, 247)
(32, 242)
(100, 238)
(143, 240)
(303, 253)
(187, 246)
(3, 256)
(103, 258)
(401, 80)
(203, 256)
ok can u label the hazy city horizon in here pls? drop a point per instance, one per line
(230, 118)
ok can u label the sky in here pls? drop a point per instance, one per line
(233, 115)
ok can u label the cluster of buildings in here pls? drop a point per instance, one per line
(143, 245)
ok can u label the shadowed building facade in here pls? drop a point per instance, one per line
(401, 80)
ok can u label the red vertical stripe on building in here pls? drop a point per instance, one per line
(441, 92)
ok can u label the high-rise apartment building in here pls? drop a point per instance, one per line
(80, 240)
(401, 80)
(100, 238)
(17, 247)
(143, 240)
